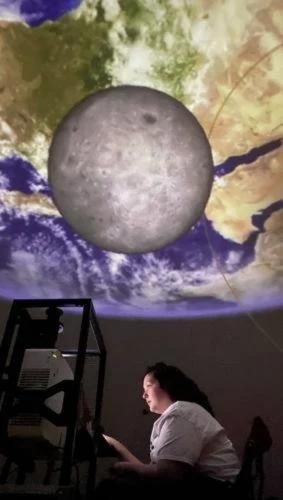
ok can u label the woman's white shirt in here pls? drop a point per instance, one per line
(186, 432)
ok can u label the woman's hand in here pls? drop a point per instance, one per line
(124, 453)
(110, 440)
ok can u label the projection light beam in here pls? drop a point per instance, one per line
(130, 169)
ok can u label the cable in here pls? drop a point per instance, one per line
(214, 254)
(227, 97)
(234, 293)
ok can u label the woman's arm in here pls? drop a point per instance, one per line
(125, 454)
(163, 469)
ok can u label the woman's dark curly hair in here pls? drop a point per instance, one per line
(178, 386)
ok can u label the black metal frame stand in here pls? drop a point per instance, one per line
(18, 337)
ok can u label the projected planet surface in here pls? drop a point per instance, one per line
(224, 61)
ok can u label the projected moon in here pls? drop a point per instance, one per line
(130, 169)
(223, 62)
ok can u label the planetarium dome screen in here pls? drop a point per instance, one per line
(222, 61)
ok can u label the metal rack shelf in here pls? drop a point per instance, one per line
(24, 332)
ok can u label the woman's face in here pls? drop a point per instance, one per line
(156, 398)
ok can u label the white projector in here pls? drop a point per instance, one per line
(41, 369)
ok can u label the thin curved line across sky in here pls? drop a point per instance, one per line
(249, 70)
(213, 252)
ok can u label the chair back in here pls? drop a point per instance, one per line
(249, 484)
